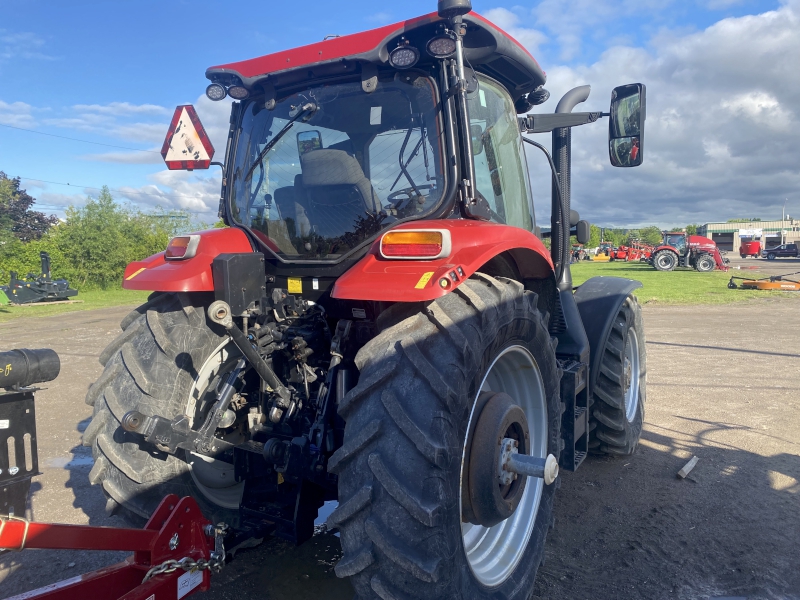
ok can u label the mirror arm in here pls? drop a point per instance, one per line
(559, 263)
(545, 123)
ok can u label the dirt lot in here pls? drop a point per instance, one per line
(722, 385)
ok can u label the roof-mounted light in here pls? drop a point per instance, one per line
(216, 92)
(442, 46)
(416, 244)
(403, 57)
(238, 92)
(182, 247)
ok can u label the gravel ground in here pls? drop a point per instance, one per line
(722, 385)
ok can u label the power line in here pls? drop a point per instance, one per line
(63, 137)
(123, 192)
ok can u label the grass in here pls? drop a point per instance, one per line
(91, 300)
(682, 286)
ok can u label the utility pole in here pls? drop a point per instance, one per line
(783, 222)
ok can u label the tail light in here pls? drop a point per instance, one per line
(182, 247)
(411, 244)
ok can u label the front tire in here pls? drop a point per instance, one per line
(704, 263)
(621, 389)
(665, 260)
(771, 256)
(400, 467)
(165, 362)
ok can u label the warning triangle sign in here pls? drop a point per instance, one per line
(187, 146)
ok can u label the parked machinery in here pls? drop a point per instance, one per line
(750, 248)
(37, 289)
(379, 325)
(681, 250)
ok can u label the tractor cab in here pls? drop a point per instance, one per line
(677, 240)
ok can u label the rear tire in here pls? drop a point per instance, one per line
(152, 367)
(665, 260)
(401, 462)
(621, 390)
(705, 263)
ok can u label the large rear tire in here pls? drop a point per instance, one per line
(665, 260)
(166, 361)
(400, 467)
(621, 389)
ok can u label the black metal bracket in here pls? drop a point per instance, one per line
(575, 420)
(17, 425)
(170, 435)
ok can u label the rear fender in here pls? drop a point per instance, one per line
(474, 243)
(190, 275)
(599, 300)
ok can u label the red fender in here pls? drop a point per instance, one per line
(191, 275)
(474, 243)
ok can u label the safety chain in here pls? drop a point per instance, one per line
(5, 519)
(215, 562)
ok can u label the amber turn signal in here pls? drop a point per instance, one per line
(415, 244)
(182, 247)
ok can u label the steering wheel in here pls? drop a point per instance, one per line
(410, 194)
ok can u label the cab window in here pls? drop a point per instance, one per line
(500, 169)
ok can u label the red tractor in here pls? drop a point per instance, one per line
(681, 250)
(379, 325)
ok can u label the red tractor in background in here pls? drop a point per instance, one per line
(380, 324)
(681, 250)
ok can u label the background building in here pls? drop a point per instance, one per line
(729, 235)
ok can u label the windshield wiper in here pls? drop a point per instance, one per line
(306, 108)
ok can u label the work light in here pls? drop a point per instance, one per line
(403, 57)
(216, 92)
(441, 46)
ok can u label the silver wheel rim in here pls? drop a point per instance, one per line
(493, 553)
(214, 478)
(630, 374)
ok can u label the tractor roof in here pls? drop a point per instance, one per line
(487, 48)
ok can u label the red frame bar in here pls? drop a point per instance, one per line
(123, 581)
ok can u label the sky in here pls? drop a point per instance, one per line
(722, 77)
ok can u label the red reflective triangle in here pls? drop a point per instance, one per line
(187, 146)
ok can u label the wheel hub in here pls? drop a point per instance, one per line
(501, 430)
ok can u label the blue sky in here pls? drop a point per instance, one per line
(111, 72)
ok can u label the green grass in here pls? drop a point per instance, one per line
(682, 286)
(91, 300)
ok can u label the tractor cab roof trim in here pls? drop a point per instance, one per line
(486, 47)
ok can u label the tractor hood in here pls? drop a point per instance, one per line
(486, 47)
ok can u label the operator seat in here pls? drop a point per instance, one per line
(336, 192)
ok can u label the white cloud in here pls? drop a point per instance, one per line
(22, 45)
(509, 22)
(190, 191)
(16, 114)
(722, 122)
(121, 108)
(152, 157)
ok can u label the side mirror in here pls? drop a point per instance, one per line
(626, 125)
(308, 141)
(583, 231)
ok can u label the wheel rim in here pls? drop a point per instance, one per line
(494, 552)
(631, 375)
(214, 478)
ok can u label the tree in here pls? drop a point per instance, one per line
(594, 237)
(16, 217)
(691, 229)
(651, 235)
